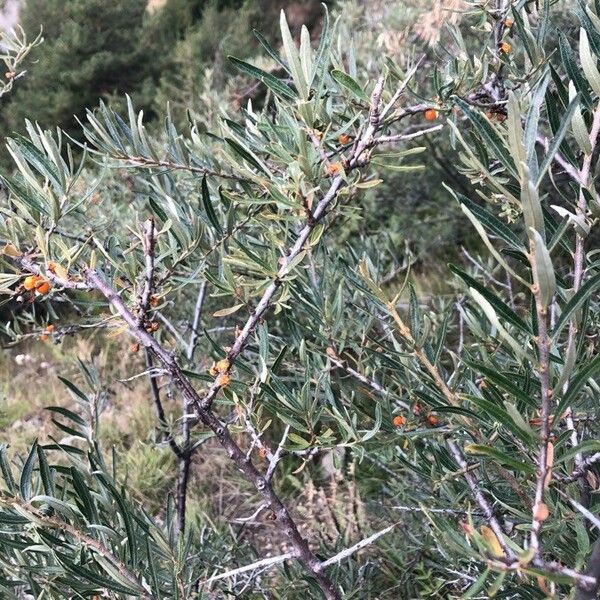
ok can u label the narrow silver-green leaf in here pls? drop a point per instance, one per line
(277, 86)
(580, 132)
(515, 130)
(350, 84)
(588, 62)
(543, 270)
(293, 59)
(530, 203)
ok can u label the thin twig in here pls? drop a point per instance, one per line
(569, 169)
(479, 496)
(440, 511)
(582, 468)
(340, 556)
(142, 161)
(195, 334)
(371, 383)
(274, 461)
(259, 565)
(158, 407)
(275, 560)
(403, 137)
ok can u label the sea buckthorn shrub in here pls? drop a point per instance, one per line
(379, 443)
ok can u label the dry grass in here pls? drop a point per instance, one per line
(430, 25)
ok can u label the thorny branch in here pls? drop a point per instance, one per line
(237, 455)
(202, 405)
(142, 161)
(544, 460)
(354, 160)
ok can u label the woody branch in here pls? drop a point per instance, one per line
(202, 405)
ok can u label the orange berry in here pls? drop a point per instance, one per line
(541, 512)
(43, 337)
(43, 287)
(223, 379)
(262, 453)
(9, 74)
(344, 138)
(432, 420)
(431, 114)
(50, 328)
(508, 22)
(135, 347)
(222, 366)
(505, 47)
(333, 168)
(31, 281)
(399, 421)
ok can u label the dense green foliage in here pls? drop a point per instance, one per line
(105, 49)
(91, 49)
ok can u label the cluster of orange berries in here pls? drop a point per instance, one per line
(37, 283)
(430, 419)
(47, 332)
(506, 47)
(221, 370)
(496, 116)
